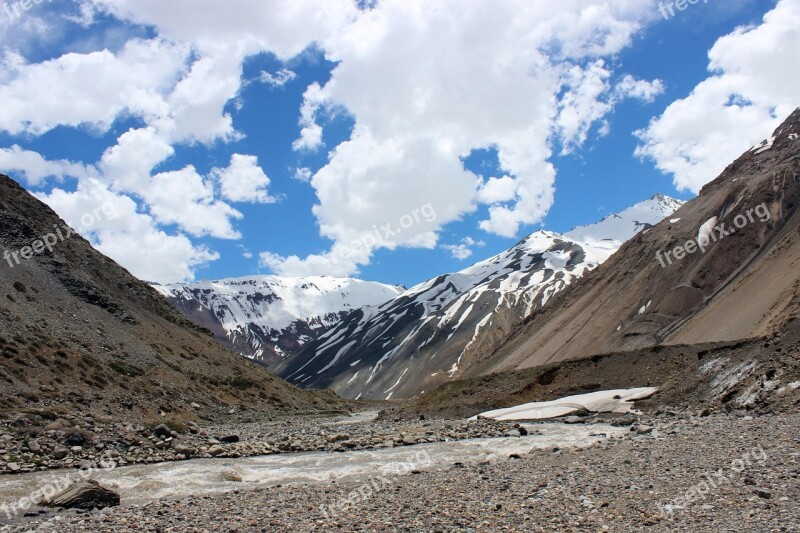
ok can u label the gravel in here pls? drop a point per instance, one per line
(727, 472)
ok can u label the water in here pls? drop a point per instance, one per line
(142, 483)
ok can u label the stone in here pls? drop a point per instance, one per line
(216, 450)
(75, 439)
(60, 453)
(230, 439)
(12, 467)
(188, 451)
(34, 446)
(573, 420)
(643, 429)
(763, 493)
(162, 430)
(87, 494)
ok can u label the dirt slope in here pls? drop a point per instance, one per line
(745, 285)
(79, 334)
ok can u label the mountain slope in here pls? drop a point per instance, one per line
(267, 317)
(437, 330)
(745, 285)
(80, 335)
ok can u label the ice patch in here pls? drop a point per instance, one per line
(612, 401)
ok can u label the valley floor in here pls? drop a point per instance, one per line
(677, 473)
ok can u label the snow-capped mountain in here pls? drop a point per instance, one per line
(437, 330)
(267, 317)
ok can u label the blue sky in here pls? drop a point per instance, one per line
(248, 98)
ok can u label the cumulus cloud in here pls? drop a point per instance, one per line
(121, 232)
(424, 92)
(35, 169)
(99, 87)
(422, 89)
(244, 180)
(752, 88)
(646, 91)
(463, 250)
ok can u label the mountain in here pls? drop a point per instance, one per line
(267, 317)
(436, 331)
(725, 267)
(79, 335)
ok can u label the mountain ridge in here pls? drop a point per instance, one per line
(266, 317)
(430, 334)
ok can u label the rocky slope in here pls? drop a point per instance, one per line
(742, 280)
(432, 332)
(80, 336)
(267, 317)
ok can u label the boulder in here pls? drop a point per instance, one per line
(87, 494)
(75, 439)
(162, 431)
(216, 450)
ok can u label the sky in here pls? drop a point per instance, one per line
(390, 140)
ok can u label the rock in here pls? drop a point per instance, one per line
(514, 433)
(216, 450)
(644, 430)
(195, 405)
(12, 467)
(230, 439)
(188, 451)
(573, 420)
(763, 493)
(34, 446)
(75, 439)
(339, 437)
(408, 440)
(60, 453)
(522, 431)
(704, 412)
(162, 430)
(87, 494)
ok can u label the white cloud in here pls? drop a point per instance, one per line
(583, 104)
(127, 233)
(458, 251)
(34, 168)
(90, 89)
(310, 132)
(302, 174)
(646, 91)
(244, 180)
(278, 79)
(185, 198)
(753, 87)
(424, 91)
(497, 190)
(463, 250)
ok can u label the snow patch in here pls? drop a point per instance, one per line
(612, 401)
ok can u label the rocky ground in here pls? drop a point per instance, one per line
(726, 472)
(29, 445)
